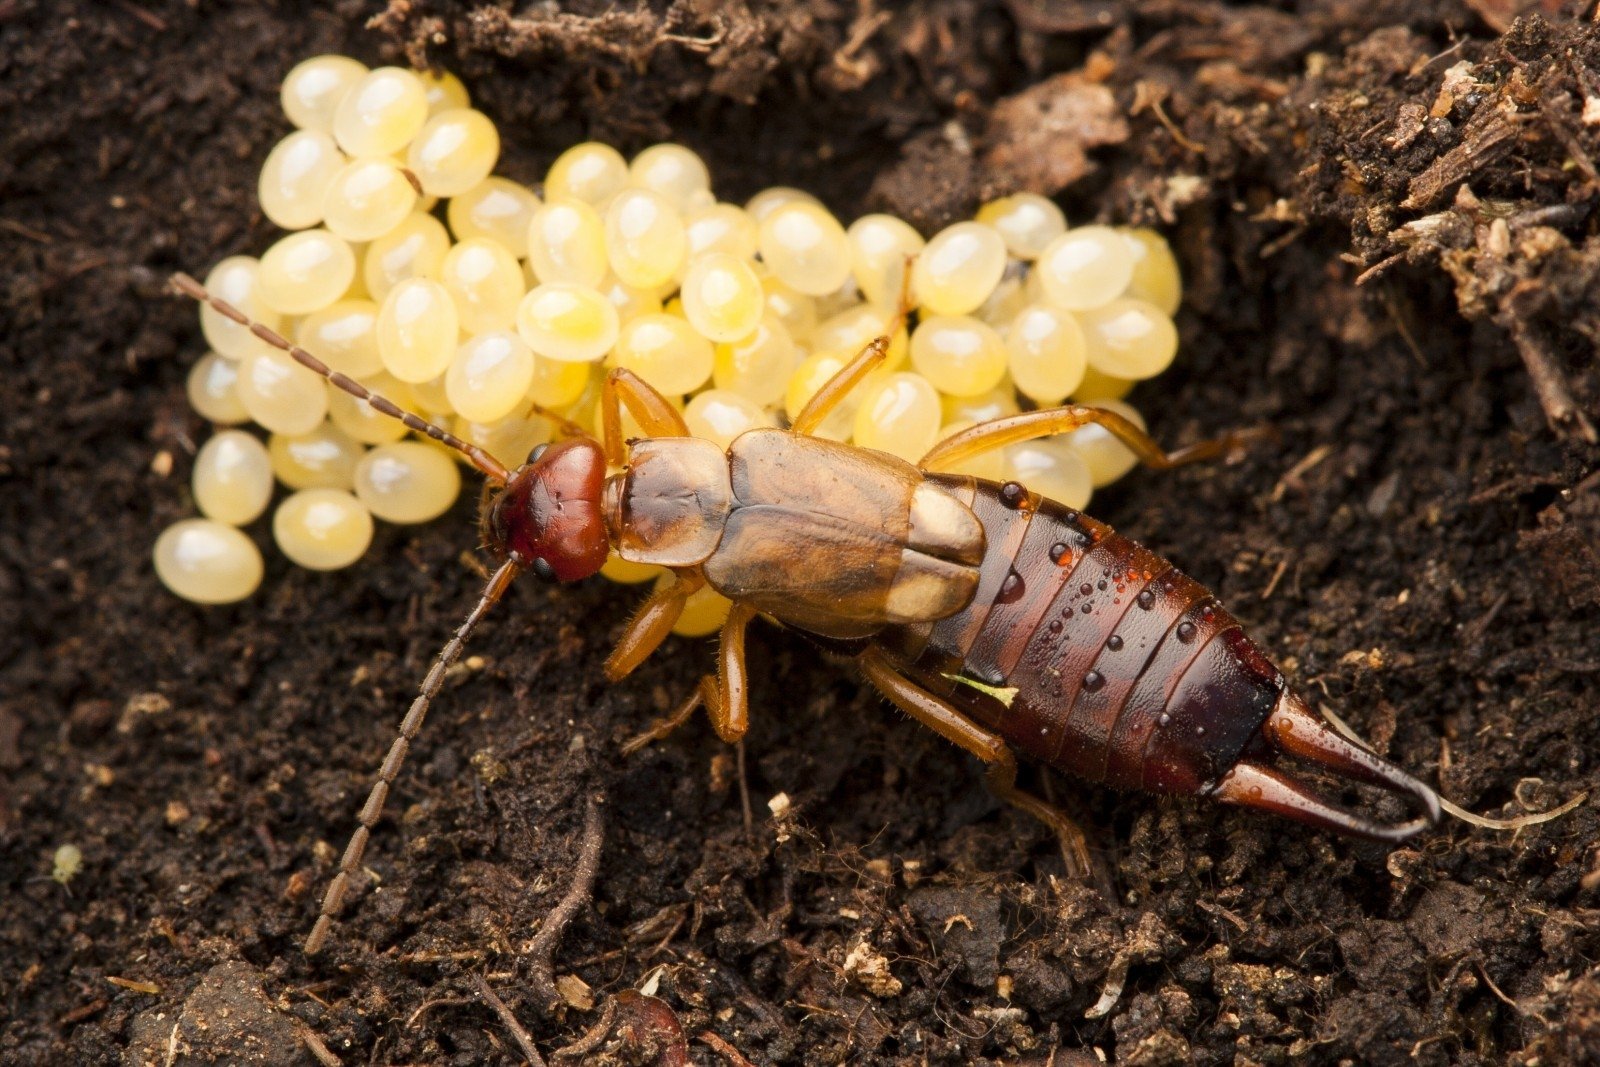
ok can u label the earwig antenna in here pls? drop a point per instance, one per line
(499, 582)
(491, 467)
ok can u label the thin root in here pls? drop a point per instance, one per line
(519, 1034)
(541, 949)
(1484, 821)
(727, 1051)
(1532, 819)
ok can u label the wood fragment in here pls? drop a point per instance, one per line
(725, 1050)
(308, 1037)
(134, 985)
(24, 230)
(428, 1005)
(82, 1012)
(1291, 477)
(1277, 576)
(1483, 144)
(1063, 16)
(1561, 411)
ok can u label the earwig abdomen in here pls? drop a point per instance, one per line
(1092, 654)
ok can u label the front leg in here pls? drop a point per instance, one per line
(651, 624)
(655, 416)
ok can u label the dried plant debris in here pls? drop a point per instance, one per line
(1487, 141)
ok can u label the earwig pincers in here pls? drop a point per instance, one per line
(1003, 621)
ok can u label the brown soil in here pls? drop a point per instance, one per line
(1420, 551)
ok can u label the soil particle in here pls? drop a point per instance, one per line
(963, 923)
(226, 1019)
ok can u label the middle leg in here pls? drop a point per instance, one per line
(726, 697)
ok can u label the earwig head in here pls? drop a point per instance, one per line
(548, 518)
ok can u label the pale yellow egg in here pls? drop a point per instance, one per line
(414, 249)
(325, 458)
(1027, 222)
(496, 208)
(314, 87)
(232, 478)
(568, 322)
(407, 482)
(322, 529)
(295, 178)
(381, 113)
(958, 269)
(207, 562)
(418, 330)
(236, 280)
(454, 151)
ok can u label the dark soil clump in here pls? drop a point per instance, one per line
(1386, 218)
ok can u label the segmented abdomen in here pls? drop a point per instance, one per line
(1092, 654)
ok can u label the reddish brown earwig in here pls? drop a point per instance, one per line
(1003, 621)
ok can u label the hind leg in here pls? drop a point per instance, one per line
(1012, 429)
(948, 722)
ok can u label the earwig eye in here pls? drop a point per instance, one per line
(542, 567)
(538, 450)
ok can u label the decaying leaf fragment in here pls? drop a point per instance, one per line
(1039, 140)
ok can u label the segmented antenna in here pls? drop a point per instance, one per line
(490, 467)
(411, 725)
(499, 582)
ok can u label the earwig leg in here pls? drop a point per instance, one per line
(948, 722)
(705, 692)
(565, 428)
(655, 416)
(726, 697)
(1294, 730)
(838, 387)
(730, 715)
(650, 625)
(1012, 429)
(1002, 780)
(938, 715)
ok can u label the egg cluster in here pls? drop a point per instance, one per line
(492, 309)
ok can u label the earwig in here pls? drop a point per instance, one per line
(1003, 621)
